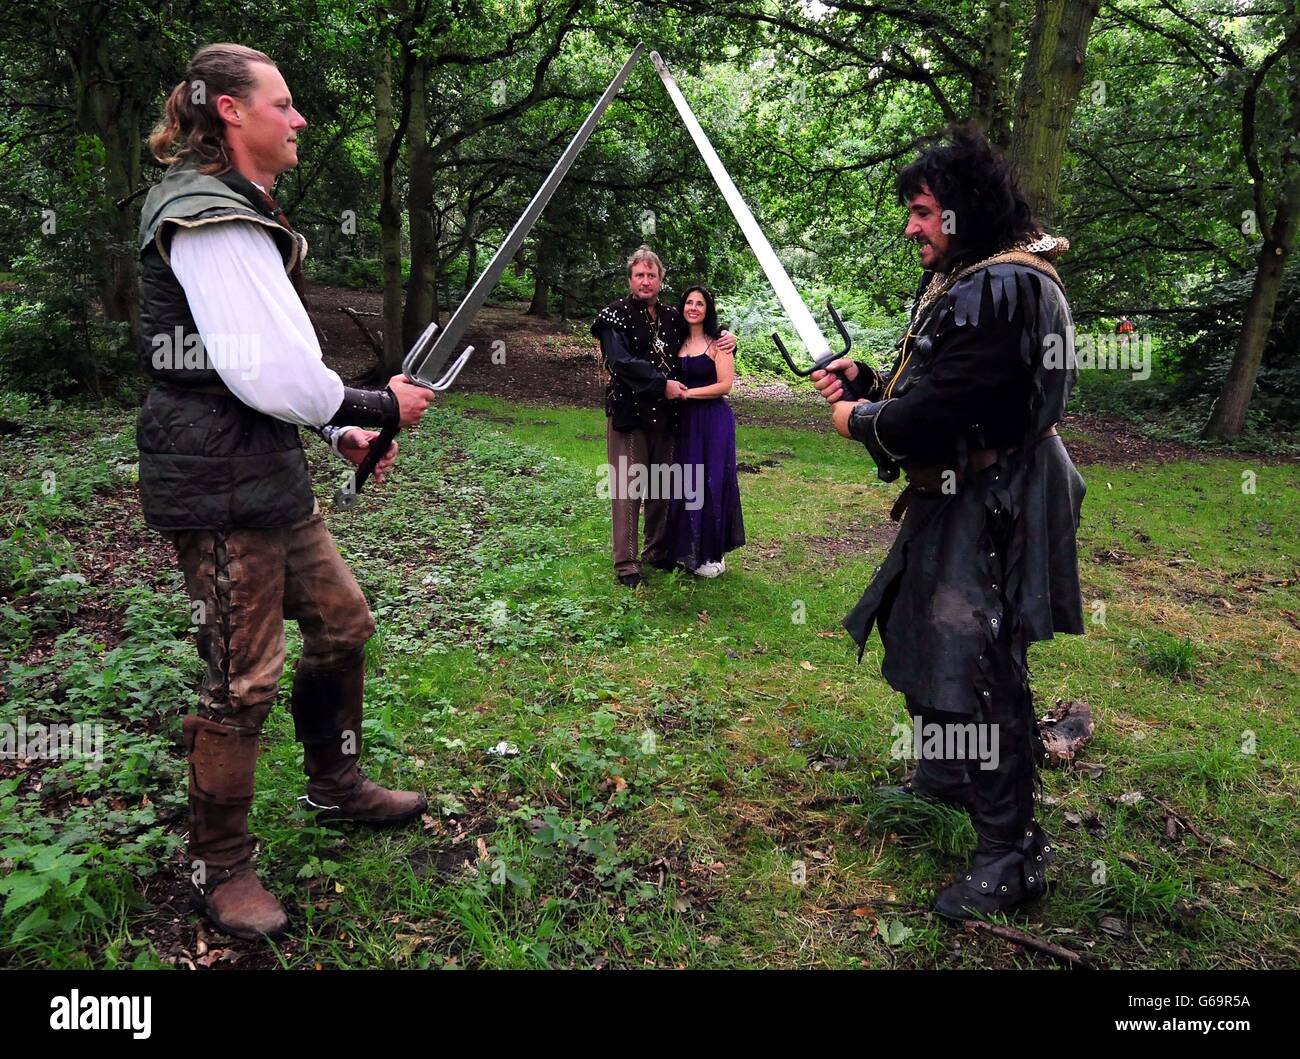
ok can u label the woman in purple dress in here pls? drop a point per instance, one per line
(704, 520)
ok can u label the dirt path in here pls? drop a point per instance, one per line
(548, 361)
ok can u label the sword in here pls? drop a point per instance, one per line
(804, 324)
(430, 354)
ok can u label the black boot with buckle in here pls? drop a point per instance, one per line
(999, 881)
(1013, 853)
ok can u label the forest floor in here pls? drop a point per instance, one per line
(680, 776)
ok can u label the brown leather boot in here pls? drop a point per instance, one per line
(226, 888)
(327, 706)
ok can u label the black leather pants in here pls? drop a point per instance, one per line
(989, 757)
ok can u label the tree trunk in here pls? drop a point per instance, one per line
(471, 264)
(541, 278)
(419, 310)
(1047, 95)
(1228, 417)
(990, 105)
(541, 289)
(390, 218)
(108, 110)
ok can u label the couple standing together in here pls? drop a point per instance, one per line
(668, 427)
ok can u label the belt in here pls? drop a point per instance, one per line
(208, 389)
(931, 480)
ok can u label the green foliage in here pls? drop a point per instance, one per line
(1212, 332)
(353, 272)
(47, 350)
(76, 843)
(75, 874)
(1151, 894)
(812, 114)
(1168, 655)
(668, 741)
(753, 313)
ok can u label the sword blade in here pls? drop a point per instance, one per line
(804, 324)
(427, 366)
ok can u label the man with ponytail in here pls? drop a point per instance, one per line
(236, 370)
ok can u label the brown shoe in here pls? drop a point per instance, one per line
(242, 906)
(368, 803)
(222, 758)
(326, 707)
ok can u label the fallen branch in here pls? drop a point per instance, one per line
(121, 204)
(355, 317)
(1028, 941)
(1212, 847)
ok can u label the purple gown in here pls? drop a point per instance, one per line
(706, 439)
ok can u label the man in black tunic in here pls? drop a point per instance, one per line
(985, 560)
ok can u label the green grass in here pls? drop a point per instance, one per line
(696, 760)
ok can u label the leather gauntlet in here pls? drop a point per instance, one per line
(862, 426)
(367, 408)
(866, 387)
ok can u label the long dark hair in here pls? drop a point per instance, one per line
(967, 176)
(190, 127)
(711, 327)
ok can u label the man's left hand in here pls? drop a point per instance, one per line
(355, 444)
(840, 412)
(726, 343)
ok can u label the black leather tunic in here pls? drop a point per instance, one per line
(992, 551)
(640, 354)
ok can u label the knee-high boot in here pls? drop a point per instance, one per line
(1012, 852)
(227, 890)
(327, 709)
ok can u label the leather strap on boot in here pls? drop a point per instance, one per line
(999, 883)
(222, 760)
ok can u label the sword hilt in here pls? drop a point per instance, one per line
(346, 495)
(821, 363)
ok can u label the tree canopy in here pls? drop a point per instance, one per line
(1161, 136)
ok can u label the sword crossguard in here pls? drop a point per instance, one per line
(839, 326)
(449, 376)
(820, 364)
(415, 361)
(346, 496)
(789, 359)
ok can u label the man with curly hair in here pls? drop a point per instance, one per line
(985, 559)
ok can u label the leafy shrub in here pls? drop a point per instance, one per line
(74, 874)
(355, 273)
(48, 352)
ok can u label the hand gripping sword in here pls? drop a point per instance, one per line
(429, 355)
(809, 333)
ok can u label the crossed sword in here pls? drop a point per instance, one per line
(426, 364)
